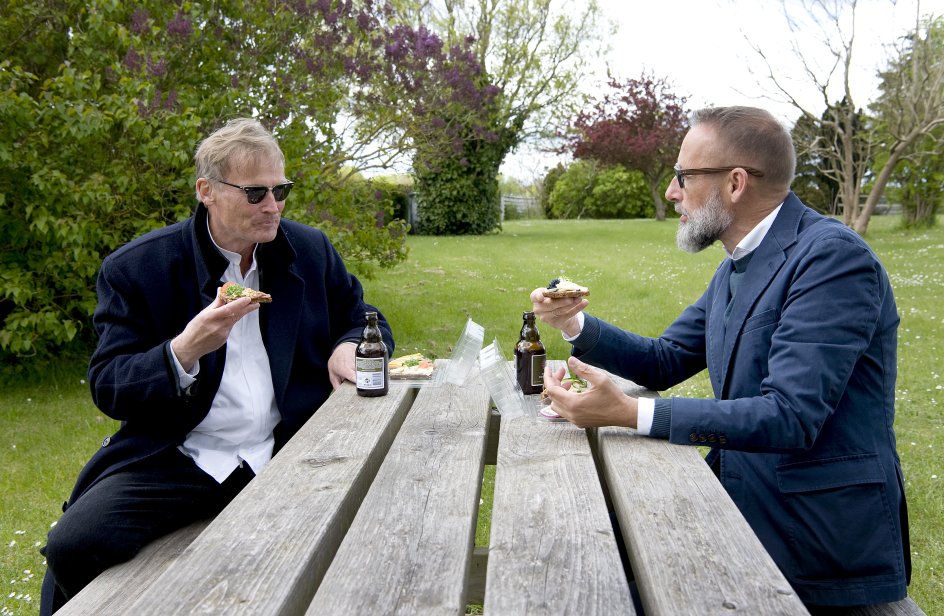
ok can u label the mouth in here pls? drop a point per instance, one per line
(683, 217)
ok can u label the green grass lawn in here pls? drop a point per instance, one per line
(638, 279)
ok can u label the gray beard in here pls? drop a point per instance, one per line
(704, 226)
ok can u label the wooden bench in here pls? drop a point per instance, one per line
(372, 508)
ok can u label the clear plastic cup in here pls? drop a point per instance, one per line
(501, 382)
(464, 354)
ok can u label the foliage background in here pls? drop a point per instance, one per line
(588, 190)
(103, 102)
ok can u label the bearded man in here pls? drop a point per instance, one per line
(798, 331)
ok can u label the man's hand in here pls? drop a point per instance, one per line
(341, 364)
(603, 404)
(209, 329)
(560, 313)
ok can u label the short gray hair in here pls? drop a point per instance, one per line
(752, 136)
(239, 142)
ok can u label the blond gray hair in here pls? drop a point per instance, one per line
(752, 136)
(239, 143)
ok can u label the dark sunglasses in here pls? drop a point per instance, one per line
(681, 173)
(255, 194)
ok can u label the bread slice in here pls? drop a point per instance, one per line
(231, 291)
(414, 366)
(561, 287)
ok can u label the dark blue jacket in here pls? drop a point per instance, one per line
(149, 290)
(802, 421)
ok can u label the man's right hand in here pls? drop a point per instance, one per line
(560, 313)
(209, 330)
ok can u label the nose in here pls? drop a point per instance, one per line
(672, 192)
(269, 203)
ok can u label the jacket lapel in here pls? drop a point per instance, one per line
(716, 329)
(280, 319)
(767, 260)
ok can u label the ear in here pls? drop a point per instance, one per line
(737, 185)
(204, 191)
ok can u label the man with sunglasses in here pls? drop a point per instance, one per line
(206, 392)
(798, 331)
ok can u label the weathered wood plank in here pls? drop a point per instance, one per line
(410, 547)
(905, 607)
(267, 552)
(691, 550)
(108, 594)
(552, 548)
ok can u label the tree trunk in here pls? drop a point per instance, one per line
(657, 199)
(861, 224)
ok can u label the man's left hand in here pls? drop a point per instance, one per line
(603, 404)
(341, 364)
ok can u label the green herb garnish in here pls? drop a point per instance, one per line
(234, 291)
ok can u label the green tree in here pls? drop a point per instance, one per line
(919, 182)
(547, 187)
(588, 190)
(910, 124)
(102, 104)
(534, 52)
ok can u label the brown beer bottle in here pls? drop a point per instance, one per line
(371, 361)
(530, 357)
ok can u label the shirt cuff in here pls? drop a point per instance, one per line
(580, 319)
(184, 378)
(661, 418)
(644, 412)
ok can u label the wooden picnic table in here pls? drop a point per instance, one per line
(372, 508)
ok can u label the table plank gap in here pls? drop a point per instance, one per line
(552, 549)
(415, 557)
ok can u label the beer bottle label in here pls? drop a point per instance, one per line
(537, 369)
(370, 372)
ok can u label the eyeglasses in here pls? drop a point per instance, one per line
(681, 173)
(255, 194)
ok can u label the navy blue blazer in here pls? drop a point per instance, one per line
(149, 290)
(802, 421)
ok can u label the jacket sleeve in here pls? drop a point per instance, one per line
(655, 363)
(130, 376)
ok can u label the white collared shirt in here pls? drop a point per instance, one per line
(243, 414)
(647, 406)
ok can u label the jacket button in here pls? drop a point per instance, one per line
(693, 437)
(106, 441)
(722, 439)
(702, 438)
(712, 438)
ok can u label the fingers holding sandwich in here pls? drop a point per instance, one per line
(602, 404)
(209, 329)
(559, 313)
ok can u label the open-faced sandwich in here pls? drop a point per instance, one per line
(414, 366)
(577, 385)
(561, 287)
(230, 291)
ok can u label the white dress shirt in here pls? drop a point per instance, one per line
(243, 415)
(646, 406)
